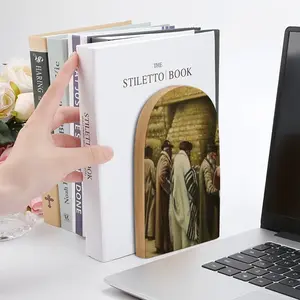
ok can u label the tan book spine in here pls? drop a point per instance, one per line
(51, 208)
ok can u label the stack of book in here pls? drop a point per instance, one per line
(151, 93)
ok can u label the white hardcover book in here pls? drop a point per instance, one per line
(74, 40)
(115, 81)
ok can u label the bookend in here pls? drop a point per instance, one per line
(176, 172)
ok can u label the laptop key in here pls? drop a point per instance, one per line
(261, 247)
(275, 251)
(274, 277)
(258, 271)
(263, 264)
(271, 258)
(262, 282)
(274, 245)
(291, 256)
(244, 276)
(288, 249)
(296, 268)
(284, 290)
(278, 270)
(286, 263)
(229, 262)
(229, 271)
(293, 275)
(253, 253)
(213, 266)
(243, 258)
(290, 282)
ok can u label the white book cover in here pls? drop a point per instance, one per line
(115, 81)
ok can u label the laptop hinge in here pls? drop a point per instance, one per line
(289, 236)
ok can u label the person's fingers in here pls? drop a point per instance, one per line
(66, 115)
(66, 141)
(49, 103)
(74, 176)
(82, 157)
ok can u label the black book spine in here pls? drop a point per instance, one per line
(40, 74)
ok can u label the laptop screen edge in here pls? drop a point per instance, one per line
(269, 220)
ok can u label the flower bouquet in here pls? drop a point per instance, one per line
(16, 106)
(16, 103)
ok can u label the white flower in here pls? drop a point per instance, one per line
(19, 72)
(24, 106)
(7, 100)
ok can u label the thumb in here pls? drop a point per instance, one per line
(82, 157)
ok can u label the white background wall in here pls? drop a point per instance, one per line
(251, 41)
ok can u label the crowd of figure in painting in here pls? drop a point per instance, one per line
(181, 200)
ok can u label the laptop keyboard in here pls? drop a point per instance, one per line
(271, 266)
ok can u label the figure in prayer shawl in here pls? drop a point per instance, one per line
(183, 211)
(209, 201)
(163, 177)
(149, 177)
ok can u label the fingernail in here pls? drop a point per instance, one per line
(107, 152)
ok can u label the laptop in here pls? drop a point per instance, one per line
(261, 264)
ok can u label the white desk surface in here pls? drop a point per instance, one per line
(50, 264)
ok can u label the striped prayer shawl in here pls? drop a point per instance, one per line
(192, 189)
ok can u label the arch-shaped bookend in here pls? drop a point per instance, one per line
(176, 171)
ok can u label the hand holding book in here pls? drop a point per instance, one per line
(40, 159)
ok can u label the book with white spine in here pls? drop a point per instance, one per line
(115, 96)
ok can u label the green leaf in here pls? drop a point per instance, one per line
(6, 137)
(14, 126)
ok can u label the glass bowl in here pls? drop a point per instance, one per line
(16, 225)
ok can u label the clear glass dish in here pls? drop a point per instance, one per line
(16, 225)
